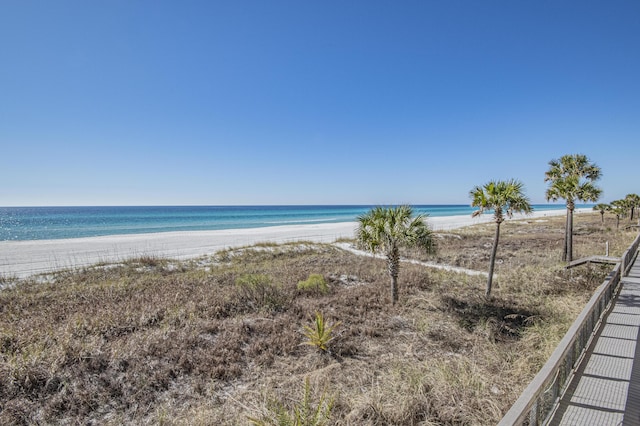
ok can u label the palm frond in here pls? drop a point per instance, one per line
(572, 178)
(501, 197)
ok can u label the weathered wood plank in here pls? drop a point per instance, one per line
(593, 259)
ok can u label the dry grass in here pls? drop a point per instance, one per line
(161, 342)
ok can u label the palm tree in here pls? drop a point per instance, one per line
(624, 205)
(619, 208)
(386, 229)
(572, 178)
(633, 201)
(503, 197)
(602, 208)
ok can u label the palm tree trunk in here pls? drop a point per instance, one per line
(602, 217)
(393, 263)
(492, 261)
(570, 236)
(566, 236)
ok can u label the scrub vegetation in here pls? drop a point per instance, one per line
(225, 340)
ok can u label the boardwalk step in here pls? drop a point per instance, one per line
(593, 259)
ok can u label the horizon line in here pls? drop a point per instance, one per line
(262, 205)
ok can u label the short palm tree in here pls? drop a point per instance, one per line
(633, 201)
(386, 229)
(619, 208)
(503, 197)
(602, 208)
(572, 178)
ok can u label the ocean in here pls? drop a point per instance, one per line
(45, 223)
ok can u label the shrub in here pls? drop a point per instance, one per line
(315, 283)
(259, 291)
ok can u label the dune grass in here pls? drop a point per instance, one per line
(221, 340)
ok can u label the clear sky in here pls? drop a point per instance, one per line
(138, 102)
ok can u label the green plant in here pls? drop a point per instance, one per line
(260, 292)
(572, 178)
(315, 283)
(303, 413)
(619, 209)
(602, 208)
(387, 229)
(633, 201)
(501, 197)
(319, 333)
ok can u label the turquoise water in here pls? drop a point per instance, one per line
(43, 223)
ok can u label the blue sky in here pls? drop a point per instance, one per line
(309, 102)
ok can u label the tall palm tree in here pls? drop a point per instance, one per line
(386, 229)
(572, 178)
(602, 208)
(503, 197)
(633, 201)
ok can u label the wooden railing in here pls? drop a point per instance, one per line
(629, 256)
(539, 400)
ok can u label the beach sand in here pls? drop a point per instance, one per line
(25, 258)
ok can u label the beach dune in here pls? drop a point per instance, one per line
(25, 258)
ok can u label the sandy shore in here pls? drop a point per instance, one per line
(24, 258)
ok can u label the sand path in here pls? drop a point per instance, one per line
(348, 247)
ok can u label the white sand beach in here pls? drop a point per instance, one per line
(25, 258)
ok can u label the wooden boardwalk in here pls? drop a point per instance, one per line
(593, 259)
(606, 387)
